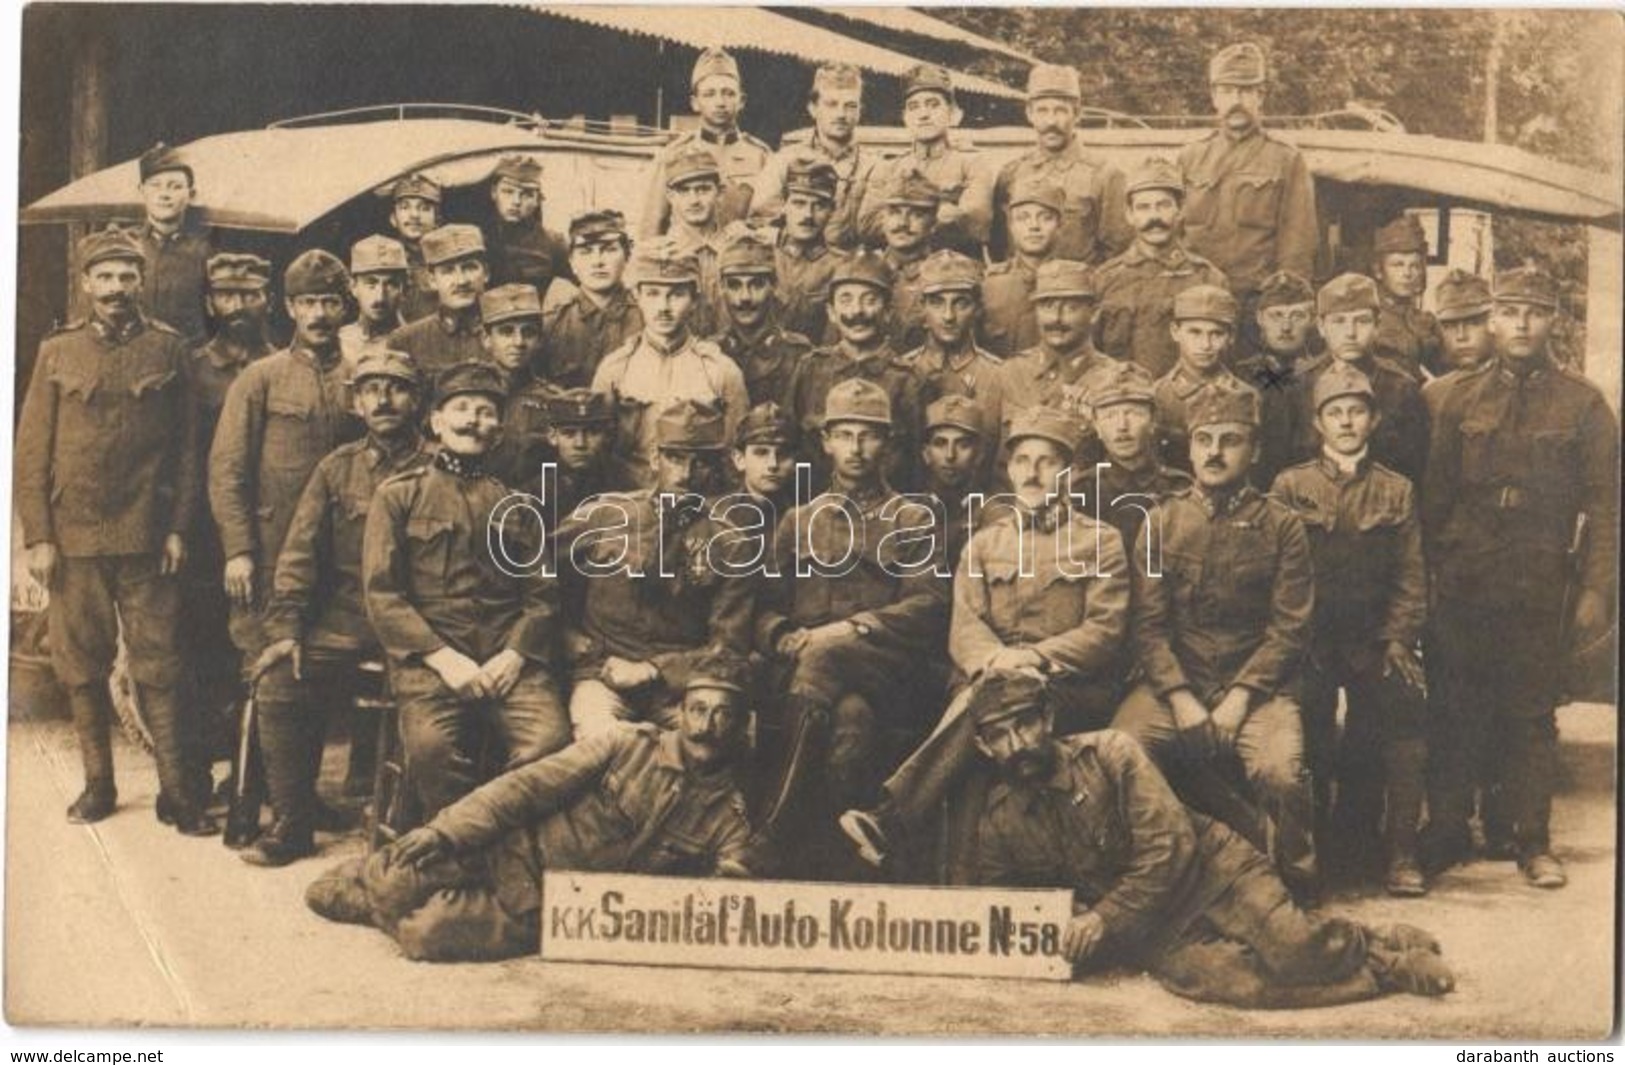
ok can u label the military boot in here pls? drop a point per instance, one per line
(1406, 763)
(164, 716)
(339, 894)
(1417, 971)
(92, 712)
(285, 842)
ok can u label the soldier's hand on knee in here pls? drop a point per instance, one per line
(42, 562)
(239, 580)
(1397, 658)
(286, 648)
(1229, 716)
(421, 846)
(1082, 937)
(502, 672)
(174, 555)
(459, 672)
(1194, 724)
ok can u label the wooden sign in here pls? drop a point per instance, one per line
(772, 924)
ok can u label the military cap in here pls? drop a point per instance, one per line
(109, 243)
(160, 158)
(1283, 289)
(1239, 64)
(713, 61)
(1341, 379)
(1347, 292)
(837, 76)
(519, 169)
(746, 255)
(1207, 302)
(315, 273)
(857, 400)
(689, 425)
(949, 271)
(579, 406)
(1462, 295)
(1005, 694)
(811, 176)
(1053, 80)
(766, 423)
(587, 227)
(915, 190)
(470, 377)
(243, 273)
(691, 164)
(452, 242)
(1526, 284)
(1120, 382)
(383, 363)
(510, 301)
(1034, 189)
(955, 411)
(865, 267)
(377, 255)
(1155, 173)
(1402, 234)
(416, 186)
(721, 669)
(928, 77)
(661, 262)
(1045, 423)
(1223, 401)
(1063, 277)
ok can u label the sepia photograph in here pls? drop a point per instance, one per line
(849, 521)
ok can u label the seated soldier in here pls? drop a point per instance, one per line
(580, 428)
(956, 459)
(467, 885)
(764, 457)
(1204, 323)
(1121, 490)
(1161, 887)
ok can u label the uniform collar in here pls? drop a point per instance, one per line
(809, 253)
(314, 357)
(122, 334)
(226, 356)
(1175, 254)
(733, 341)
(1534, 368)
(1061, 780)
(820, 145)
(462, 467)
(690, 239)
(729, 137)
(1186, 381)
(458, 323)
(870, 362)
(1224, 503)
(367, 333)
(667, 351)
(1344, 467)
(918, 151)
(188, 228)
(379, 453)
(1063, 159)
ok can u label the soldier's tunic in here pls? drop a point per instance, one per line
(709, 314)
(571, 486)
(976, 374)
(419, 299)
(356, 339)
(1435, 392)
(1137, 291)
(1275, 378)
(1009, 323)
(741, 158)
(577, 334)
(852, 165)
(623, 801)
(962, 178)
(907, 307)
(1122, 498)
(1039, 377)
(821, 370)
(431, 582)
(517, 458)
(440, 340)
(803, 287)
(641, 378)
(526, 253)
(767, 360)
(1249, 207)
(1172, 396)
(1400, 440)
(175, 279)
(1093, 225)
(1410, 336)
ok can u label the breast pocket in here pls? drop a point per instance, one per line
(288, 423)
(1201, 203)
(430, 545)
(1244, 586)
(1256, 198)
(1477, 453)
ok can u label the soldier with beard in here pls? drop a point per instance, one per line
(753, 334)
(455, 257)
(1405, 332)
(378, 276)
(523, 251)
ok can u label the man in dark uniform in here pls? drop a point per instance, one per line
(949, 362)
(1521, 453)
(1405, 332)
(908, 224)
(955, 462)
(1162, 887)
(522, 250)
(1251, 209)
(1033, 220)
(1463, 313)
(471, 643)
(764, 457)
(414, 213)
(511, 333)
(1370, 604)
(316, 625)
(176, 245)
(1051, 372)
(694, 191)
(467, 886)
(580, 428)
(1203, 329)
(455, 258)
(836, 107)
(1131, 479)
(1284, 349)
(805, 260)
(106, 485)
(378, 277)
(1092, 229)
(1138, 287)
(601, 315)
(753, 333)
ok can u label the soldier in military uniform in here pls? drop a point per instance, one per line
(1052, 371)
(718, 97)
(1370, 604)
(1463, 313)
(467, 885)
(1203, 328)
(666, 361)
(1161, 887)
(1405, 332)
(106, 483)
(804, 260)
(602, 314)
(859, 296)
(1347, 307)
(1251, 205)
(523, 251)
(955, 458)
(694, 191)
(177, 246)
(1285, 347)
(414, 213)
(1220, 632)
(963, 180)
(836, 107)
(455, 257)
(471, 645)
(1131, 479)
(658, 595)
(1092, 229)
(316, 624)
(1033, 221)
(1137, 288)
(580, 428)
(1521, 453)
(753, 334)
(378, 275)
(1041, 587)
(511, 334)
(909, 225)
(852, 642)
(949, 362)
(764, 457)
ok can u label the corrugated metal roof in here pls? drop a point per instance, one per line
(908, 20)
(758, 29)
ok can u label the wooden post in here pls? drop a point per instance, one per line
(87, 137)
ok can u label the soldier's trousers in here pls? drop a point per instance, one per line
(1269, 747)
(292, 714)
(442, 732)
(1493, 680)
(445, 911)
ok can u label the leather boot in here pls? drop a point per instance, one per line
(166, 723)
(1406, 765)
(285, 842)
(92, 713)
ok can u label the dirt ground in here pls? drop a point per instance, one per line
(128, 923)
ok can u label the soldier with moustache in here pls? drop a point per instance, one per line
(456, 261)
(1405, 332)
(414, 213)
(1051, 373)
(950, 362)
(1033, 220)
(523, 251)
(804, 260)
(753, 333)
(379, 271)
(602, 314)
(909, 223)
(836, 107)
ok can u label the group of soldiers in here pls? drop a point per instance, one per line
(1057, 571)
